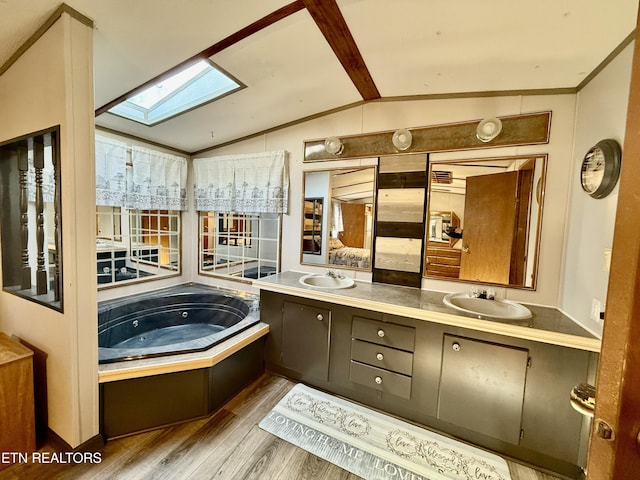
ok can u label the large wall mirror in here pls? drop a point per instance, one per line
(484, 220)
(135, 245)
(239, 245)
(337, 223)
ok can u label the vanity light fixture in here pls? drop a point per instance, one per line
(333, 145)
(402, 139)
(488, 129)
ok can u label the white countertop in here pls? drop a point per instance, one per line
(548, 325)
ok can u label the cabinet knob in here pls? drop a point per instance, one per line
(381, 333)
(378, 380)
(319, 317)
(465, 249)
(380, 356)
(455, 347)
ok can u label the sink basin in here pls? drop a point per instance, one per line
(326, 282)
(502, 309)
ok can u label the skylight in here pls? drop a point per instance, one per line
(196, 85)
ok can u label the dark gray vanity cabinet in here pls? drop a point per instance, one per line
(482, 387)
(503, 393)
(306, 336)
(300, 337)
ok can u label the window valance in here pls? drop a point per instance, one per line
(111, 165)
(154, 180)
(158, 180)
(249, 183)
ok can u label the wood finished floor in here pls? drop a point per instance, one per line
(228, 445)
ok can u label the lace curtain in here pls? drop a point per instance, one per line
(214, 181)
(249, 183)
(111, 164)
(154, 181)
(158, 180)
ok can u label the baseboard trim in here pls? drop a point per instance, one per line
(94, 444)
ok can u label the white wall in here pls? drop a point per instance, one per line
(601, 113)
(51, 84)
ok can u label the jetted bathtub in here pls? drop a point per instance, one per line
(181, 319)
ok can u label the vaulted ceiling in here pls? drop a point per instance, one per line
(304, 58)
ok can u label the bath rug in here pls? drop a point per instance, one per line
(373, 445)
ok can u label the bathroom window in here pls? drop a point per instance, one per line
(31, 219)
(134, 245)
(239, 245)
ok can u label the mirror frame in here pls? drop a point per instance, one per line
(537, 198)
(326, 213)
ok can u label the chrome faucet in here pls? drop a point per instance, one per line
(489, 294)
(334, 274)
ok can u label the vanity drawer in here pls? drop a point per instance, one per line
(379, 379)
(382, 333)
(379, 356)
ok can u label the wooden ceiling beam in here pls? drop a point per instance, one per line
(333, 26)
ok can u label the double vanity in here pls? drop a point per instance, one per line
(498, 378)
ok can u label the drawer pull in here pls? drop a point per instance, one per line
(380, 356)
(319, 317)
(455, 347)
(378, 380)
(381, 333)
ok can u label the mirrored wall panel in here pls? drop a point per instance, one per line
(239, 245)
(312, 226)
(134, 245)
(484, 220)
(337, 223)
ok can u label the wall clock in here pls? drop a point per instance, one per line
(601, 168)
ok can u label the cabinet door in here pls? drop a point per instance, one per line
(305, 340)
(482, 387)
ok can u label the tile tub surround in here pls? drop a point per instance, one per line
(548, 325)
